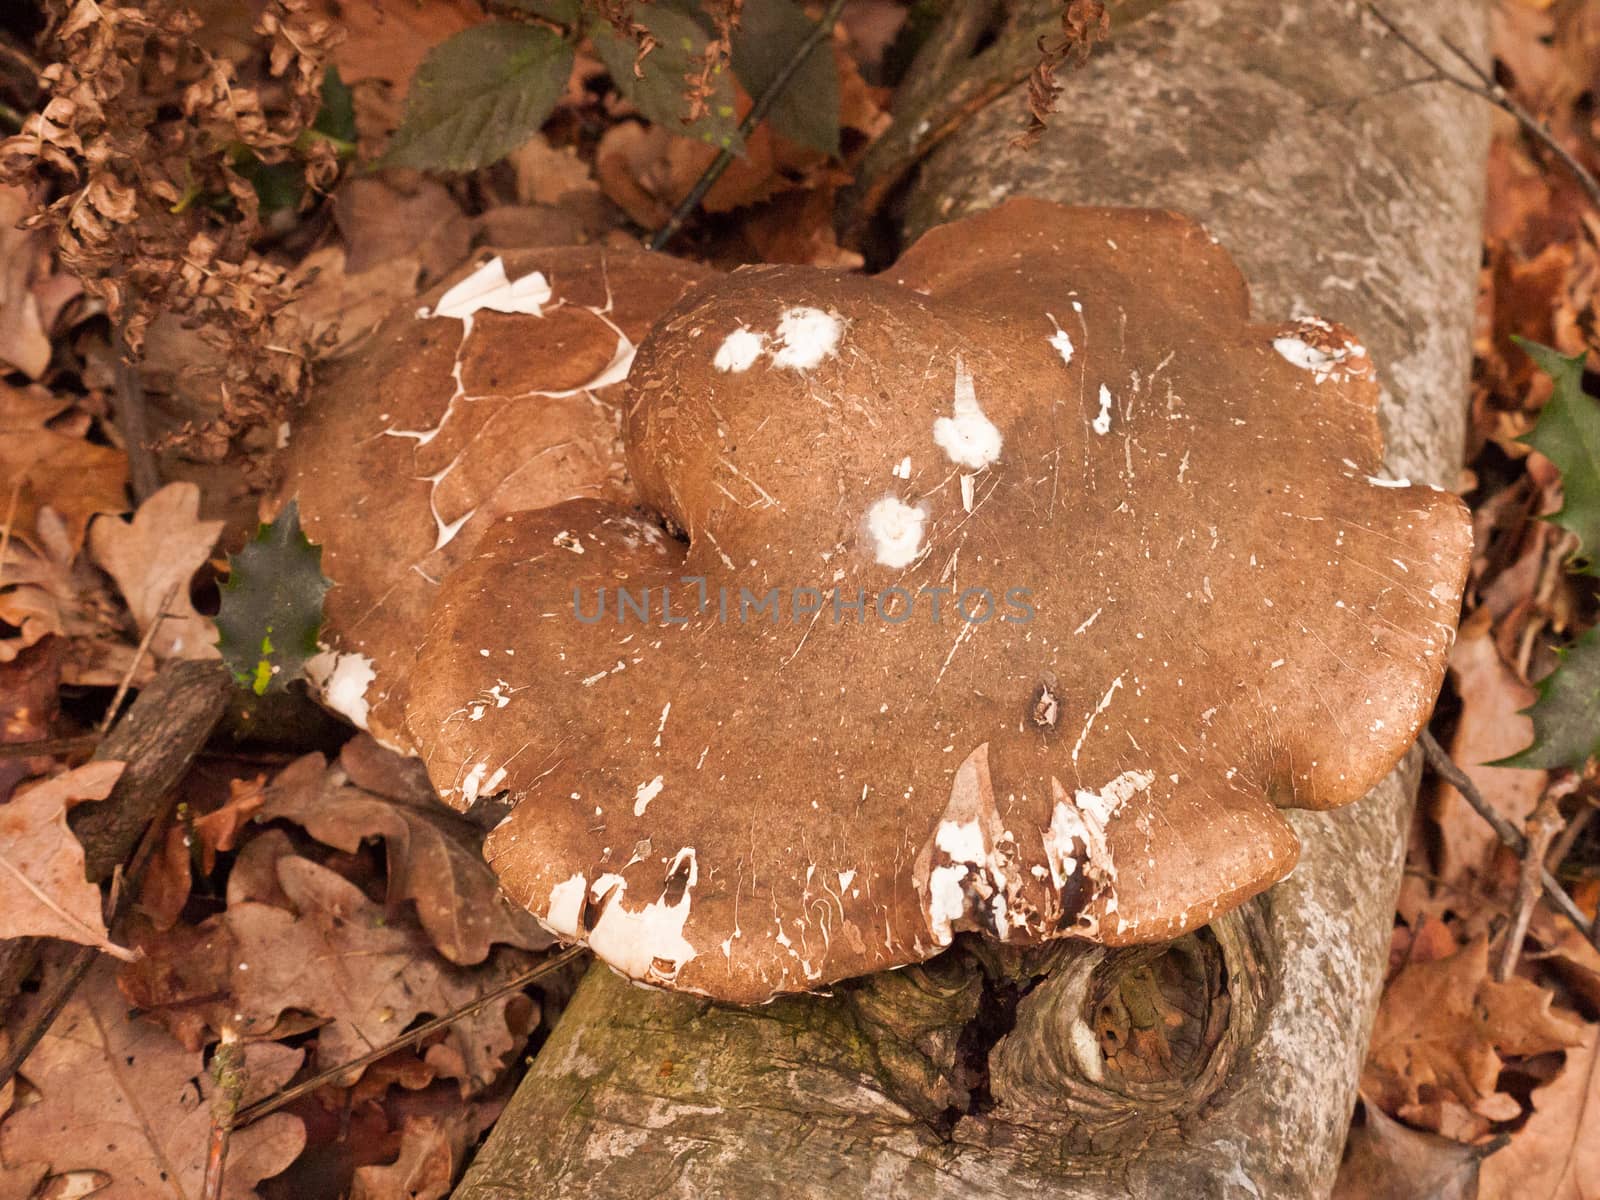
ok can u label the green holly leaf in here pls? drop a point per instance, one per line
(1568, 434)
(769, 35)
(680, 44)
(272, 605)
(1566, 716)
(479, 95)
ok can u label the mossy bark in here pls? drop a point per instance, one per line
(1222, 1065)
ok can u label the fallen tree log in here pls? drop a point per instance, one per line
(1223, 1064)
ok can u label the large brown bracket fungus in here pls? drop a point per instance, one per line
(1016, 589)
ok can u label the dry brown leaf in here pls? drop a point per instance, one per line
(76, 478)
(1442, 1027)
(646, 170)
(385, 41)
(121, 1098)
(401, 215)
(339, 957)
(1569, 954)
(30, 693)
(153, 558)
(50, 591)
(1556, 1155)
(43, 892)
(165, 887)
(1385, 1160)
(434, 857)
(797, 227)
(338, 308)
(432, 1150)
(1490, 727)
(24, 344)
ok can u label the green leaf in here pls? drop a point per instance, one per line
(272, 605)
(479, 95)
(1568, 434)
(278, 186)
(1566, 716)
(769, 35)
(336, 118)
(659, 94)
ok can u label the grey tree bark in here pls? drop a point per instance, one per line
(1224, 1064)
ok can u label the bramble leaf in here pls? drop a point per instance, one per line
(769, 35)
(1568, 434)
(659, 93)
(272, 605)
(479, 95)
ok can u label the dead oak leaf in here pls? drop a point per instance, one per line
(1443, 1026)
(434, 857)
(123, 1100)
(337, 956)
(43, 892)
(48, 469)
(1385, 1160)
(24, 344)
(1556, 1155)
(152, 559)
(432, 1149)
(167, 881)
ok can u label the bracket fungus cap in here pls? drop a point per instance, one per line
(1015, 590)
(497, 391)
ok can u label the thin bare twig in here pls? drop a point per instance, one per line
(1445, 767)
(277, 1100)
(686, 207)
(1482, 84)
(138, 657)
(1542, 826)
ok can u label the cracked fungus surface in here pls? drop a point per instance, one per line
(1206, 603)
(497, 394)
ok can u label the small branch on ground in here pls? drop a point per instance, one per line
(62, 747)
(1445, 767)
(144, 476)
(687, 206)
(287, 1095)
(228, 1076)
(1482, 84)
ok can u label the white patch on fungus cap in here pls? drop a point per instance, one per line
(1062, 342)
(648, 944)
(896, 529)
(1102, 423)
(566, 906)
(646, 793)
(806, 336)
(969, 438)
(1078, 826)
(739, 351)
(343, 679)
(488, 287)
(1304, 355)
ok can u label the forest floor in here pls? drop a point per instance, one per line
(239, 254)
